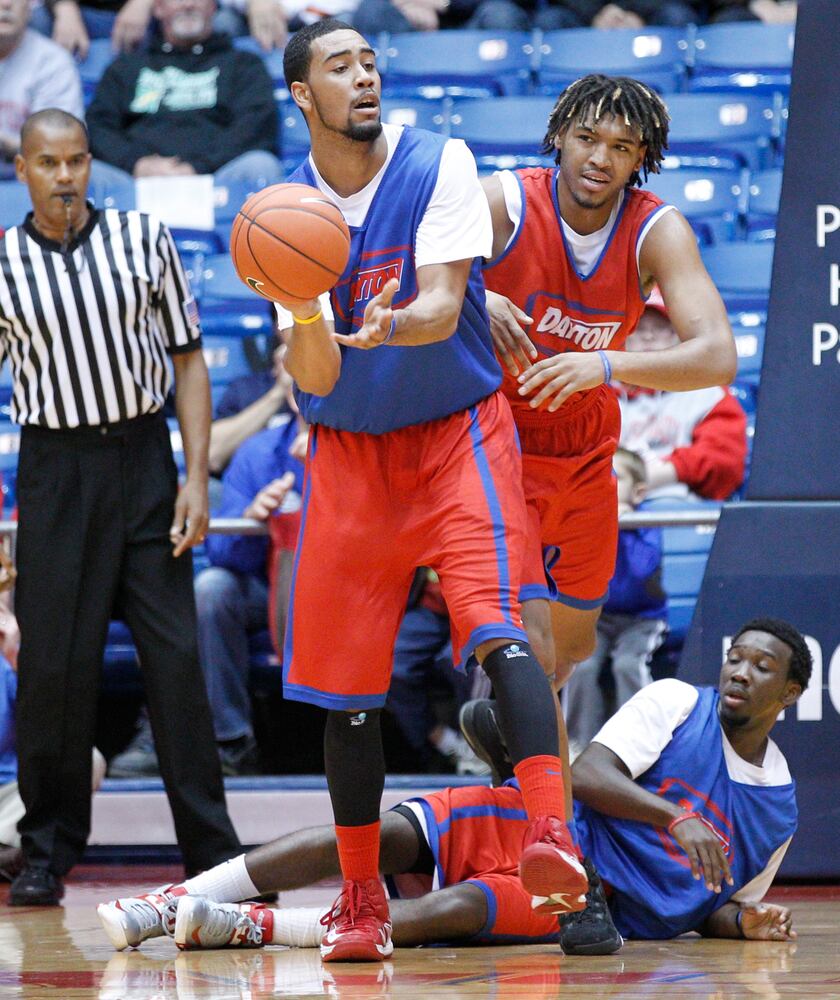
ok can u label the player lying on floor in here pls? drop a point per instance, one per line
(660, 791)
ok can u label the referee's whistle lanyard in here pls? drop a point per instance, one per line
(65, 251)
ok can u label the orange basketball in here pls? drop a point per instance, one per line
(289, 242)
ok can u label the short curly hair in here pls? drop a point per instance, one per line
(801, 662)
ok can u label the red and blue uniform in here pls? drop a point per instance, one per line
(567, 455)
(412, 461)
(475, 835)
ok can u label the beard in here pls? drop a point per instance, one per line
(730, 720)
(356, 132)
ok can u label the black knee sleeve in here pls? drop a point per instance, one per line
(355, 765)
(525, 701)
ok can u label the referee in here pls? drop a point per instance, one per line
(91, 302)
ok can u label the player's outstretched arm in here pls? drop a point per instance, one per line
(312, 358)
(706, 354)
(430, 318)
(601, 780)
(758, 922)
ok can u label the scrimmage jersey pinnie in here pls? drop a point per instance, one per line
(655, 895)
(387, 388)
(571, 311)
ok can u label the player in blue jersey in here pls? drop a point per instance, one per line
(412, 462)
(684, 802)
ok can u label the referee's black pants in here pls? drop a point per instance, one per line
(94, 511)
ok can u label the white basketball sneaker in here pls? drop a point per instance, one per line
(201, 923)
(130, 921)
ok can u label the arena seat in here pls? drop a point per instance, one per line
(722, 131)
(99, 57)
(765, 192)
(460, 63)
(106, 191)
(713, 201)
(502, 131)
(293, 135)
(9, 449)
(226, 358)
(749, 343)
(750, 56)
(227, 305)
(417, 112)
(15, 203)
(655, 55)
(741, 272)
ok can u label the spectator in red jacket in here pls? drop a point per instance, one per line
(693, 443)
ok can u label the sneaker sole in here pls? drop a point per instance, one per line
(465, 724)
(356, 951)
(556, 876)
(112, 925)
(597, 948)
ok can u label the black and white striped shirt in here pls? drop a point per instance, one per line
(87, 333)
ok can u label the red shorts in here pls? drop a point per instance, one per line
(445, 494)
(571, 496)
(475, 835)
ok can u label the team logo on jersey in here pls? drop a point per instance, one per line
(369, 282)
(586, 336)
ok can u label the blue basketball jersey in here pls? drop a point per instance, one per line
(655, 895)
(387, 388)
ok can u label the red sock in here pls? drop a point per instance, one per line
(358, 851)
(541, 782)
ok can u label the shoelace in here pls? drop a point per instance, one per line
(145, 912)
(546, 831)
(358, 907)
(168, 916)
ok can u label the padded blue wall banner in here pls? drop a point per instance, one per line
(796, 454)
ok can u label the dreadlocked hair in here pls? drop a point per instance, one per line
(622, 97)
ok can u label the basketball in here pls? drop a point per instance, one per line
(289, 242)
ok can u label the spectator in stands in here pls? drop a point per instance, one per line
(232, 599)
(637, 13)
(35, 73)
(632, 625)
(191, 105)
(767, 11)
(269, 21)
(422, 658)
(250, 404)
(72, 25)
(692, 442)
(374, 16)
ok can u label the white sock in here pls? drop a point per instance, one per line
(447, 742)
(228, 882)
(299, 926)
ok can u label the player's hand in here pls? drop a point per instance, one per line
(130, 25)
(300, 445)
(189, 525)
(553, 380)
(767, 922)
(377, 322)
(270, 497)
(267, 23)
(705, 852)
(9, 637)
(69, 29)
(507, 320)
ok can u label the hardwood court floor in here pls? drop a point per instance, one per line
(62, 953)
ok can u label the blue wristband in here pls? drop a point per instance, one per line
(605, 361)
(391, 331)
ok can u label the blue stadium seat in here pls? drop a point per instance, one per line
(9, 449)
(712, 201)
(106, 191)
(657, 56)
(415, 111)
(722, 131)
(273, 60)
(293, 134)
(194, 245)
(741, 272)
(457, 63)
(765, 192)
(749, 343)
(227, 305)
(749, 56)
(502, 128)
(227, 200)
(100, 56)
(15, 203)
(177, 443)
(226, 358)
(682, 578)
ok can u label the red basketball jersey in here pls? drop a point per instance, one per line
(571, 312)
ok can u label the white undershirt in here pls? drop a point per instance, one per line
(586, 249)
(642, 728)
(455, 226)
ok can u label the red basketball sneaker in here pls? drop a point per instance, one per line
(358, 927)
(549, 868)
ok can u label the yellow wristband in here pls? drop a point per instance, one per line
(306, 322)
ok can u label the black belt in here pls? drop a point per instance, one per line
(94, 432)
